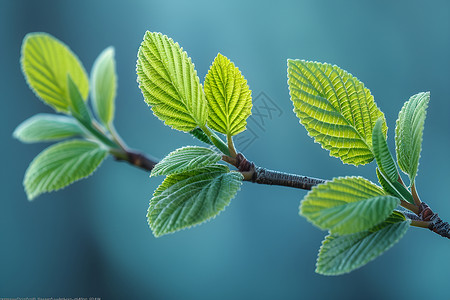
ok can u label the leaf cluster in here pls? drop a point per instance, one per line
(339, 112)
(196, 187)
(57, 77)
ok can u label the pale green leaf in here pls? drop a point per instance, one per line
(62, 164)
(347, 205)
(47, 127)
(409, 132)
(335, 108)
(229, 97)
(78, 108)
(186, 159)
(170, 84)
(46, 61)
(342, 254)
(104, 85)
(186, 199)
(383, 156)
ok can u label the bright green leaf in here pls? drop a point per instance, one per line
(104, 85)
(229, 97)
(335, 108)
(347, 205)
(78, 107)
(46, 61)
(409, 132)
(342, 254)
(186, 159)
(383, 156)
(186, 199)
(170, 84)
(62, 164)
(47, 127)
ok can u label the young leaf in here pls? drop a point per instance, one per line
(229, 97)
(347, 205)
(170, 84)
(186, 159)
(62, 164)
(394, 188)
(78, 107)
(335, 108)
(47, 127)
(186, 199)
(342, 254)
(409, 131)
(383, 156)
(201, 136)
(104, 85)
(46, 61)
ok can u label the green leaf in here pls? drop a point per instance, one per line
(47, 127)
(46, 61)
(383, 156)
(78, 107)
(62, 164)
(409, 132)
(104, 85)
(186, 199)
(201, 136)
(394, 188)
(335, 108)
(342, 254)
(186, 159)
(229, 97)
(170, 84)
(347, 205)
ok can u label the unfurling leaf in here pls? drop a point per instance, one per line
(347, 205)
(394, 188)
(62, 164)
(78, 108)
(186, 159)
(186, 199)
(340, 254)
(229, 97)
(201, 136)
(46, 61)
(335, 108)
(170, 84)
(409, 132)
(104, 85)
(47, 127)
(383, 156)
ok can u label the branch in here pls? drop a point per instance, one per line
(261, 175)
(424, 217)
(435, 223)
(134, 158)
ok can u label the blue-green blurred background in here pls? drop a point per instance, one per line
(92, 238)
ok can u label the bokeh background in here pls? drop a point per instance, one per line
(92, 239)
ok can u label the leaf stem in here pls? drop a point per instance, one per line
(231, 146)
(415, 195)
(116, 137)
(98, 134)
(409, 206)
(420, 223)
